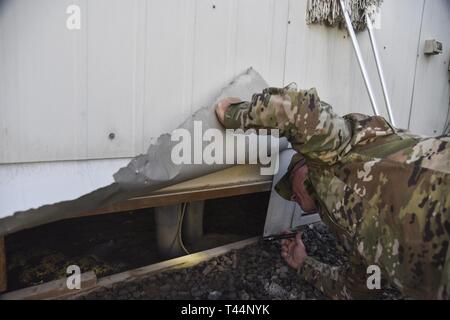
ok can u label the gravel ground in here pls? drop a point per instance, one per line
(255, 272)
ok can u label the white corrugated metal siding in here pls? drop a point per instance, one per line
(137, 68)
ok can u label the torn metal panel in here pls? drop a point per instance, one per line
(31, 185)
(151, 171)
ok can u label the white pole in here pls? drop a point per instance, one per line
(380, 70)
(362, 65)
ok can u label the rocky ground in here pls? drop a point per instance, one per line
(111, 244)
(255, 272)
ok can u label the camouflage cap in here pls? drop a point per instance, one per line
(284, 186)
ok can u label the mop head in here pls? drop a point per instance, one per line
(329, 12)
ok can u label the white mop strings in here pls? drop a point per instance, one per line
(329, 12)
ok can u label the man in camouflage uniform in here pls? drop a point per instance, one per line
(384, 194)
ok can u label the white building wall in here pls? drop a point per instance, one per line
(324, 58)
(137, 68)
(430, 100)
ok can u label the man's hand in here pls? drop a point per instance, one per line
(222, 107)
(293, 251)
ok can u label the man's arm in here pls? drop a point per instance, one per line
(309, 124)
(345, 282)
(331, 280)
(275, 108)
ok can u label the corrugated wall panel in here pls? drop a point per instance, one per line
(137, 68)
(112, 42)
(324, 58)
(397, 41)
(168, 65)
(203, 46)
(430, 104)
(40, 117)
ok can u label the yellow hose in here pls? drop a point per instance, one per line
(180, 226)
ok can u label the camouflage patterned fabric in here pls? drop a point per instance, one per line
(384, 194)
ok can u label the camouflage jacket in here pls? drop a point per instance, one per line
(384, 194)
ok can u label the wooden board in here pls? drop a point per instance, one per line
(180, 197)
(52, 289)
(172, 264)
(58, 289)
(237, 180)
(3, 273)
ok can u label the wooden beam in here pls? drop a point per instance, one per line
(233, 181)
(184, 196)
(51, 290)
(3, 270)
(172, 264)
(183, 262)
(58, 290)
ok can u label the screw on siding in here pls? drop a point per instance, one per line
(214, 6)
(112, 136)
